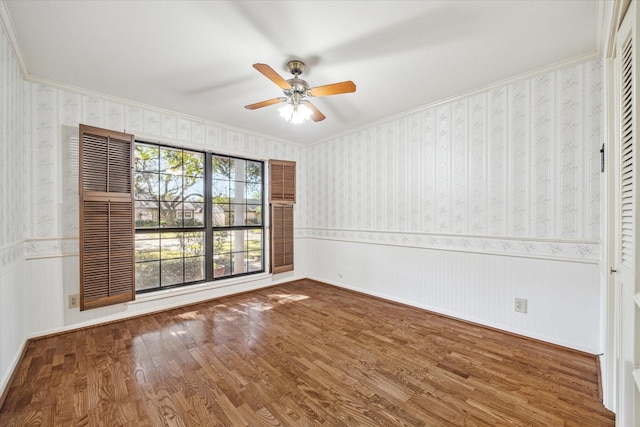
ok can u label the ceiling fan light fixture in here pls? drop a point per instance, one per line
(298, 108)
(295, 114)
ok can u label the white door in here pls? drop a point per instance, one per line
(625, 312)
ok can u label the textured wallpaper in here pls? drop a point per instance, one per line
(517, 162)
(514, 169)
(14, 125)
(56, 115)
(39, 155)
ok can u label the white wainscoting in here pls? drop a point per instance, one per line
(15, 125)
(563, 297)
(462, 206)
(13, 315)
(49, 280)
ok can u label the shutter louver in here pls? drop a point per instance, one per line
(287, 231)
(627, 157)
(282, 238)
(277, 182)
(95, 254)
(119, 166)
(289, 184)
(277, 249)
(106, 218)
(94, 167)
(121, 248)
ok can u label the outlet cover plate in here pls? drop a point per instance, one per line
(520, 305)
(74, 301)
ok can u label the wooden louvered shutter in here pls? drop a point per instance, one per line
(627, 155)
(283, 181)
(282, 191)
(106, 218)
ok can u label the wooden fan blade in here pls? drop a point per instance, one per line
(270, 73)
(317, 116)
(265, 103)
(333, 89)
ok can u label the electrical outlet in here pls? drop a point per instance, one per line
(74, 301)
(340, 275)
(521, 305)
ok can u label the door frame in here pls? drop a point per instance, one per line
(611, 355)
(615, 382)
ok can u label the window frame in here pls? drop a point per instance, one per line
(208, 228)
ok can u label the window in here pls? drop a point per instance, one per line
(185, 214)
(237, 216)
(198, 216)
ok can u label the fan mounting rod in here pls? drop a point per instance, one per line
(296, 67)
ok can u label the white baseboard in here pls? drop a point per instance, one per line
(460, 316)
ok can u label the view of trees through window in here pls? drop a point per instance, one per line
(198, 216)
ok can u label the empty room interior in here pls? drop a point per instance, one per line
(319, 213)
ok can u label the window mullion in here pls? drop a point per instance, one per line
(208, 217)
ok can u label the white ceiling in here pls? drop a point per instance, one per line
(195, 57)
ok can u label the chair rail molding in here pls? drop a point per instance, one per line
(585, 251)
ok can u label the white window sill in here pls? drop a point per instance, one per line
(193, 289)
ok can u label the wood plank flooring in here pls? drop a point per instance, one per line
(300, 354)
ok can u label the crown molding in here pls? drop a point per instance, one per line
(609, 21)
(142, 106)
(603, 14)
(582, 59)
(7, 24)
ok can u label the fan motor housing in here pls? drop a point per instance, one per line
(297, 86)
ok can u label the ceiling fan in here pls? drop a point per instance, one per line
(298, 108)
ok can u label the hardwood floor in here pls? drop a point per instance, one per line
(302, 353)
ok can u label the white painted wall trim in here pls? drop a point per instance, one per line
(10, 254)
(524, 76)
(610, 336)
(503, 327)
(563, 297)
(195, 289)
(169, 299)
(56, 247)
(584, 251)
(7, 24)
(4, 381)
(51, 247)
